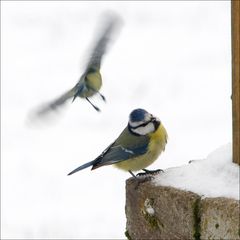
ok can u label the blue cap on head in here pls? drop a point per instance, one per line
(137, 115)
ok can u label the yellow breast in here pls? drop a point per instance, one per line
(155, 147)
(94, 81)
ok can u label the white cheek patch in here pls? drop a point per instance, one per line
(144, 130)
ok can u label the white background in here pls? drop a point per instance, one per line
(171, 58)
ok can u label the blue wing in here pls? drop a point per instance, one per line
(127, 146)
(55, 104)
(111, 155)
(118, 153)
(110, 26)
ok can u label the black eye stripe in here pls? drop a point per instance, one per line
(143, 124)
(155, 122)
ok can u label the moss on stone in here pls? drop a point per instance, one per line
(151, 219)
(197, 219)
(127, 235)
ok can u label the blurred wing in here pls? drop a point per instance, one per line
(100, 48)
(54, 105)
(118, 153)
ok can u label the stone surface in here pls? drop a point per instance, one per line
(220, 218)
(159, 212)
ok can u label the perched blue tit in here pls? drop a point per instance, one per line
(90, 82)
(138, 146)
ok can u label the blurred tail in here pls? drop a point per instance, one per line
(86, 165)
(76, 91)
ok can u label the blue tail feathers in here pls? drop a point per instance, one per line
(83, 166)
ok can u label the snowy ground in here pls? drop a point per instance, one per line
(171, 58)
(215, 176)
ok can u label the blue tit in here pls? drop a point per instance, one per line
(90, 81)
(138, 146)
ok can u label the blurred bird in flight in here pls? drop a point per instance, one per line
(90, 81)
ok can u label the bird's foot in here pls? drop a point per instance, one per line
(95, 107)
(139, 180)
(149, 172)
(103, 98)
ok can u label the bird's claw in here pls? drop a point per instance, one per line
(149, 172)
(97, 109)
(103, 98)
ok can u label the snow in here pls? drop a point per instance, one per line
(215, 176)
(148, 208)
(168, 59)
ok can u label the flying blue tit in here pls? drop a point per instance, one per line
(138, 146)
(90, 81)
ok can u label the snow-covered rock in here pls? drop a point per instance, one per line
(215, 176)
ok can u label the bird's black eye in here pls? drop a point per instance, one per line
(156, 123)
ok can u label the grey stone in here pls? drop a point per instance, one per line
(157, 212)
(220, 218)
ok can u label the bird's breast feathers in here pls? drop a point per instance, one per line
(93, 83)
(156, 145)
(158, 140)
(94, 80)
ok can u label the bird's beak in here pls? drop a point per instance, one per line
(155, 119)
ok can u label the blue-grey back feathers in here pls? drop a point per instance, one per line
(113, 154)
(119, 153)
